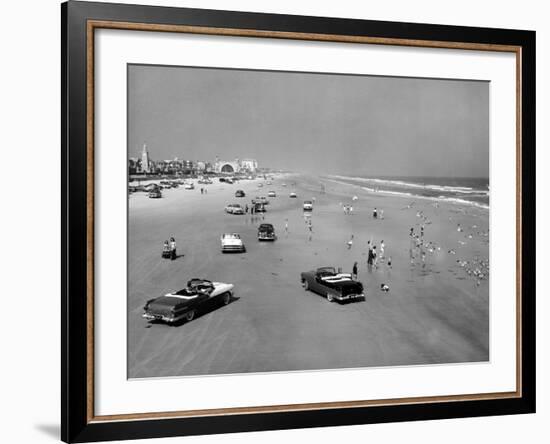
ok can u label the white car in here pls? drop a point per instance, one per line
(189, 186)
(232, 242)
(272, 194)
(308, 205)
(293, 195)
(234, 209)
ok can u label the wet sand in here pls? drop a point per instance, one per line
(434, 313)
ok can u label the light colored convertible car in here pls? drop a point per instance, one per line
(232, 243)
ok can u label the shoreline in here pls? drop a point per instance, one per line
(406, 195)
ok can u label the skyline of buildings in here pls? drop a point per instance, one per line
(145, 165)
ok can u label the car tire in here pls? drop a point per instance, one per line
(330, 297)
(226, 298)
(306, 285)
(190, 315)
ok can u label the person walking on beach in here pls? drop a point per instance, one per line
(375, 213)
(350, 242)
(382, 246)
(246, 208)
(389, 262)
(382, 214)
(374, 257)
(354, 271)
(370, 258)
(286, 226)
(172, 248)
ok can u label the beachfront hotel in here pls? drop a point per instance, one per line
(145, 165)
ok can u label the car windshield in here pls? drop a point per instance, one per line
(231, 236)
(326, 271)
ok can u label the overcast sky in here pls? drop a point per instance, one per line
(324, 123)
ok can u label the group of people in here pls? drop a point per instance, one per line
(374, 256)
(377, 214)
(169, 249)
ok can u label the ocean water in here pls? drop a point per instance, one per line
(460, 190)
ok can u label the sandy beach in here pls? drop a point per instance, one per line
(435, 312)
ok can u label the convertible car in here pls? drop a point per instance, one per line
(184, 304)
(232, 242)
(234, 209)
(339, 287)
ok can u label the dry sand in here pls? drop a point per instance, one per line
(434, 312)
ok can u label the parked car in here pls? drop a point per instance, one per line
(184, 304)
(260, 199)
(308, 205)
(335, 286)
(240, 193)
(189, 186)
(232, 242)
(234, 209)
(293, 195)
(258, 207)
(155, 194)
(266, 232)
(271, 194)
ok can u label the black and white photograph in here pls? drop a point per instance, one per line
(294, 221)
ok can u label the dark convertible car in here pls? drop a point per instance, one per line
(339, 287)
(184, 304)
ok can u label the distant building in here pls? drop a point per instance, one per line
(236, 166)
(187, 166)
(145, 162)
(132, 165)
(250, 165)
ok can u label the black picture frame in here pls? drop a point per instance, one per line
(76, 423)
